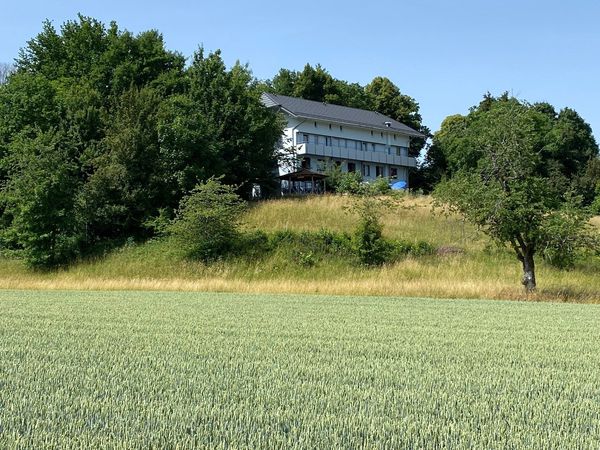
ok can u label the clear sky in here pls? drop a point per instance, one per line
(446, 54)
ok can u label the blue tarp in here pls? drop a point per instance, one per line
(398, 185)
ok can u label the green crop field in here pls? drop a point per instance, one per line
(183, 370)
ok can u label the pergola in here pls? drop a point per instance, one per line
(303, 182)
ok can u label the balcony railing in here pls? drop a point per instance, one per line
(355, 155)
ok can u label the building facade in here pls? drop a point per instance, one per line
(318, 135)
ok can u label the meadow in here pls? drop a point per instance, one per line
(191, 370)
(468, 265)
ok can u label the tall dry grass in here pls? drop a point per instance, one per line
(478, 271)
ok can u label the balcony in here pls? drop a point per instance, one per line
(353, 154)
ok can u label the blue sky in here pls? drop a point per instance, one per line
(445, 54)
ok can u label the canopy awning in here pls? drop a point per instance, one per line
(303, 175)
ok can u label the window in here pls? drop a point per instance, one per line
(341, 129)
(373, 147)
(379, 171)
(393, 172)
(371, 132)
(366, 170)
(402, 151)
(306, 163)
(382, 134)
(330, 126)
(351, 167)
(305, 137)
(364, 146)
(328, 141)
(394, 137)
(315, 124)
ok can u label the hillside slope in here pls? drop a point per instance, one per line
(466, 265)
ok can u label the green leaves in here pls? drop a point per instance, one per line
(208, 220)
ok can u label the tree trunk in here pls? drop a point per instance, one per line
(528, 272)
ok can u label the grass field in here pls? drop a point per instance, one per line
(478, 271)
(182, 370)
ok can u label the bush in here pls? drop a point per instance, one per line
(350, 183)
(381, 186)
(253, 244)
(208, 221)
(369, 244)
(568, 234)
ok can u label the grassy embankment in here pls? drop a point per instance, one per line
(480, 271)
(206, 370)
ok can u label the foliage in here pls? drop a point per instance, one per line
(380, 186)
(502, 186)
(350, 183)
(369, 244)
(40, 198)
(563, 140)
(143, 130)
(567, 234)
(208, 221)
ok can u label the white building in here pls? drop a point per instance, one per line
(322, 134)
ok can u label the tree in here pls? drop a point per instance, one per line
(96, 91)
(564, 141)
(387, 99)
(208, 220)
(501, 186)
(40, 198)
(242, 132)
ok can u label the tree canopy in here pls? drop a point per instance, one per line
(563, 140)
(102, 131)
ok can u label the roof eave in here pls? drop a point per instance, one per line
(411, 133)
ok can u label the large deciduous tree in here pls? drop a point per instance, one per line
(564, 141)
(500, 182)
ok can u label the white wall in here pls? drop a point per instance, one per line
(293, 135)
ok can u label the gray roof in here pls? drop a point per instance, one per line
(309, 109)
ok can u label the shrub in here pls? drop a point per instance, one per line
(253, 244)
(350, 183)
(380, 186)
(400, 249)
(208, 221)
(568, 234)
(369, 244)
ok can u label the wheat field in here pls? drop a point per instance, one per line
(205, 370)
